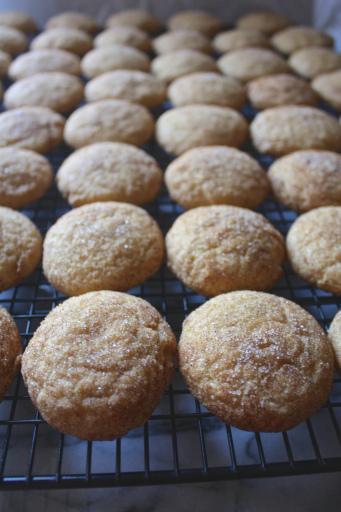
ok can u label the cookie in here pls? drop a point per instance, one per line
(138, 18)
(71, 19)
(5, 61)
(110, 58)
(134, 86)
(217, 249)
(111, 121)
(236, 39)
(328, 87)
(282, 130)
(310, 62)
(257, 361)
(41, 61)
(109, 171)
(36, 128)
(58, 91)
(68, 39)
(295, 38)
(275, 90)
(307, 179)
(25, 176)
(124, 35)
(10, 351)
(267, 22)
(20, 249)
(173, 65)
(184, 128)
(216, 175)
(250, 63)
(181, 40)
(12, 41)
(108, 245)
(207, 88)
(18, 20)
(335, 338)
(197, 20)
(314, 247)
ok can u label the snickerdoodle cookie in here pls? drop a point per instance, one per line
(335, 338)
(328, 87)
(181, 40)
(5, 61)
(216, 249)
(71, 19)
(63, 38)
(314, 247)
(292, 39)
(20, 248)
(107, 245)
(98, 364)
(58, 91)
(250, 63)
(36, 128)
(307, 179)
(10, 351)
(109, 58)
(25, 176)
(207, 88)
(124, 35)
(197, 20)
(184, 128)
(139, 18)
(170, 66)
(18, 20)
(109, 120)
(41, 61)
(109, 171)
(12, 41)
(130, 85)
(239, 38)
(310, 62)
(257, 361)
(282, 130)
(267, 22)
(216, 175)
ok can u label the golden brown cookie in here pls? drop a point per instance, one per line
(10, 351)
(98, 364)
(257, 361)
(138, 18)
(173, 65)
(181, 40)
(110, 58)
(63, 38)
(72, 19)
(109, 171)
(108, 245)
(58, 91)
(284, 89)
(335, 338)
(282, 130)
(184, 128)
(328, 86)
(292, 39)
(5, 61)
(130, 85)
(124, 35)
(36, 128)
(236, 39)
(216, 249)
(250, 63)
(20, 248)
(207, 88)
(307, 179)
(12, 41)
(25, 176)
(216, 175)
(197, 20)
(111, 121)
(18, 20)
(41, 61)
(267, 22)
(314, 247)
(310, 62)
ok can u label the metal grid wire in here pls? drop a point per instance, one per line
(182, 441)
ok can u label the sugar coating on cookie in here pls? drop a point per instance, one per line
(282, 130)
(216, 249)
(216, 175)
(207, 88)
(5, 61)
(109, 120)
(184, 128)
(310, 62)
(267, 22)
(240, 38)
(47, 60)
(98, 364)
(257, 361)
(108, 58)
(328, 87)
(25, 176)
(173, 65)
(135, 86)
(109, 171)
(104, 245)
(10, 351)
(307, 179)
(182, 40)
(139, 18)
(71, 19)
(292, 39)
(12, 41)
(18, 20)
(63, 38)
(36, 128)
(58, 91)
(125, 35)
(334, 334)
(197, 20)
(20, 249)
(314, 247)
